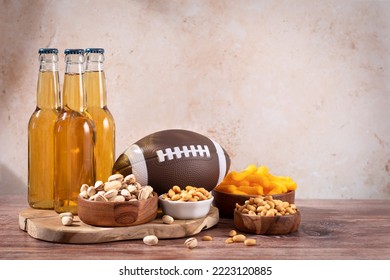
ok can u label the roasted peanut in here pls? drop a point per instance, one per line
(250, 242)
(189, 193)
(176, 189)
(207, 238)
(229, 240)
(232, 233)
(176, 197)
(239, 238)
(266, 206)
(171, 193)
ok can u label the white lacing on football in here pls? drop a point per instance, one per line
(177, 153)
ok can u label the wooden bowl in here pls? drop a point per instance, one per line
(117, 214)
(226, 202)
(277, 225)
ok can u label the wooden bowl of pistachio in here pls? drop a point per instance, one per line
(118, 202)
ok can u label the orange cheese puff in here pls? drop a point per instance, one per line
(292, 186)
(258, 190)
(239, 176)
(259, 179)
(278, 186)
(243, 183)
(239, 192)
(263, 170)
(275, 190)
(226, 188)
(228, 177)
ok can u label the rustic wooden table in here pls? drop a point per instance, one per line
(330, 229)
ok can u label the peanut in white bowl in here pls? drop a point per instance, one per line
(185, 210)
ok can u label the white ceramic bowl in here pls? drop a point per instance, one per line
(185, 210)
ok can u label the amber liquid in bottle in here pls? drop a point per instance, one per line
(40, 133)
(74, 136)
(96, 94)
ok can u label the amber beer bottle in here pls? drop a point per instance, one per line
(40, 132)
(96, 94)
(74, 138)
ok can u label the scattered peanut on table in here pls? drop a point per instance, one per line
(234, 237)
(207, 238)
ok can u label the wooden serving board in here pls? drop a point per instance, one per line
(46, 225)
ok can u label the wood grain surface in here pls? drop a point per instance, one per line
(46, 225)
(329, 229)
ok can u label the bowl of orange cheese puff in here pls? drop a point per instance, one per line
(253, 181)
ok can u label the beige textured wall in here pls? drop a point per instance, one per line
(300, 86)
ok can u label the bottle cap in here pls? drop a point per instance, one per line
(47, 50)
(94, 50)
(74, 51)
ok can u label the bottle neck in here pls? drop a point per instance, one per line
(73, 92)
(95, 81)
(48, 90)
(95, 89)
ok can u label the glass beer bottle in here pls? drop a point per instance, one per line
(40, 132)
(96, 94)
(74, 138)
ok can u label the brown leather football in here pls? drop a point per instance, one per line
(174, 157)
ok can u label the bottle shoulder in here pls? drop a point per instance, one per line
(100, 113)
(78, 118)
(41, 114)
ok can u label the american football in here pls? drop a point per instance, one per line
(174, 157)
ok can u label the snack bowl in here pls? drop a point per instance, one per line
(185, 210)
(117, 214)
(226, 202)
(264, 225)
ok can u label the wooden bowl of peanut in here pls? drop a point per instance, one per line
(186, 204)
(226, 202)
(267, 216)
(117, 202)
